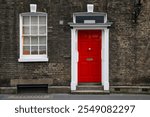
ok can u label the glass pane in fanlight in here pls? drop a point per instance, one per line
(42, 40)
(34, 20)
(34, 40)
(34, 30)
(42, 20)
(26, 20)
(26, 30)
(42, 30)
(26, 50)
(34, 50)
(26, 40)
(42, 50)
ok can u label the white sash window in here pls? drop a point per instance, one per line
(33, 37)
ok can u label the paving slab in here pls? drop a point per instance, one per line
(73, 97)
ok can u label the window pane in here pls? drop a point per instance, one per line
(42, 40)
(42, 50)
(34, 49)
(26, 20)
(26, 40)
(26, 30)
(42, 20)
(26, 50)
(34, 30)
(34, 20)
(42, 30)
(34, 40)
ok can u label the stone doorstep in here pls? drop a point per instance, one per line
(66, 89)
(89, 87)
(90, 92)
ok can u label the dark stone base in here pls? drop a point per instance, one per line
(66, 89)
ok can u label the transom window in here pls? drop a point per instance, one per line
(33, 37)
(97, 19)
(88, 17)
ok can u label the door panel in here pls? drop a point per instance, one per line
(89, 64)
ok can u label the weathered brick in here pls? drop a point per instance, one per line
(129, 42)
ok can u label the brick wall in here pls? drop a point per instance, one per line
(129, 42)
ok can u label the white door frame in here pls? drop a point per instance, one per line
(104, 55)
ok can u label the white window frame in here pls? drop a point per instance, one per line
(32, 58)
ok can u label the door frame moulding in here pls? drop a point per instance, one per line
(75, 54)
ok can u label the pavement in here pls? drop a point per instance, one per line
(74, 97)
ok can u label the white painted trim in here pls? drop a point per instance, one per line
(33, 60)
(74, 19)
(106, 60)
(92, 25)
(105, 18)
(74, 55)
(90, 8)
(102, 56)
(74, 59)
(20, 39)
(33, 7)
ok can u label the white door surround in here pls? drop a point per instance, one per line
(74, 54)
(78, 24)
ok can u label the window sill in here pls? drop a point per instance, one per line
(33, 60)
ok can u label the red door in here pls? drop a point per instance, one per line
(89, 64)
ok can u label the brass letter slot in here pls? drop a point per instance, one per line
(89, 59)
